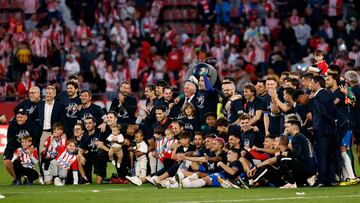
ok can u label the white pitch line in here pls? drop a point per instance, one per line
(271, 199)
(79, 190)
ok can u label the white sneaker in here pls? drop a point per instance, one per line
(57, 182)
(135, 180)
(179, 176)
(312, 180)
(113, 162)
(193, 177)
(165, 183)
(151, 179)
(118, 165)
(289, 186)
(2, 196)
(41, 180)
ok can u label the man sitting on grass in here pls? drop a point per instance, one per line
(229, 171)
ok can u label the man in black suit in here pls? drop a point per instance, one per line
(324, 128)
(50, 112)
(189, 97)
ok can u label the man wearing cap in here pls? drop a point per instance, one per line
(30, 105)
(50, 112)
(18, 128)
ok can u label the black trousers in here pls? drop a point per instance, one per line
(294, 170)
(20, 171)
(98, 160)
(327, 153)
(273, 176)
(168, 163)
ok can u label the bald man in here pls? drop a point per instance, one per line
(30, 105)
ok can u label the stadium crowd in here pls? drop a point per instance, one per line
(265, 109)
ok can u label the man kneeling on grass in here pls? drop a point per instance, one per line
(229, 172)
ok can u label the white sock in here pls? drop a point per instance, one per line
(174, 185)
(347, 168)
(193, 176)
(181, 175)
(187, 164)
(194, 184)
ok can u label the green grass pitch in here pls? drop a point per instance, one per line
(148, 193)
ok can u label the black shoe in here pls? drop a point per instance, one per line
(106, 181)
(319, 185)
(114, 175)
(244, 182)
(129, 171)
(260, 172)
(83, 181)
(27, 182)
(334, 184)
(13, 182)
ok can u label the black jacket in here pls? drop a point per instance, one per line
(324, 113)
(57, 114)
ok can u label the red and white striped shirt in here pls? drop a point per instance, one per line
(100, 66)
(52, 6)
(156, 8)
(27, 160)
(356, 57)
(67, 159)
(51, 146)
(188, 54)
(40, 46)
(82, 35)
(168, 150)
(218, 53)
(160, 146)
(205, 6)
(335, 7)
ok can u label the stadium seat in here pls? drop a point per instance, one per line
(167, 15)
(4, 4)
(17, 4)
(234, 12)
(191, 14)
